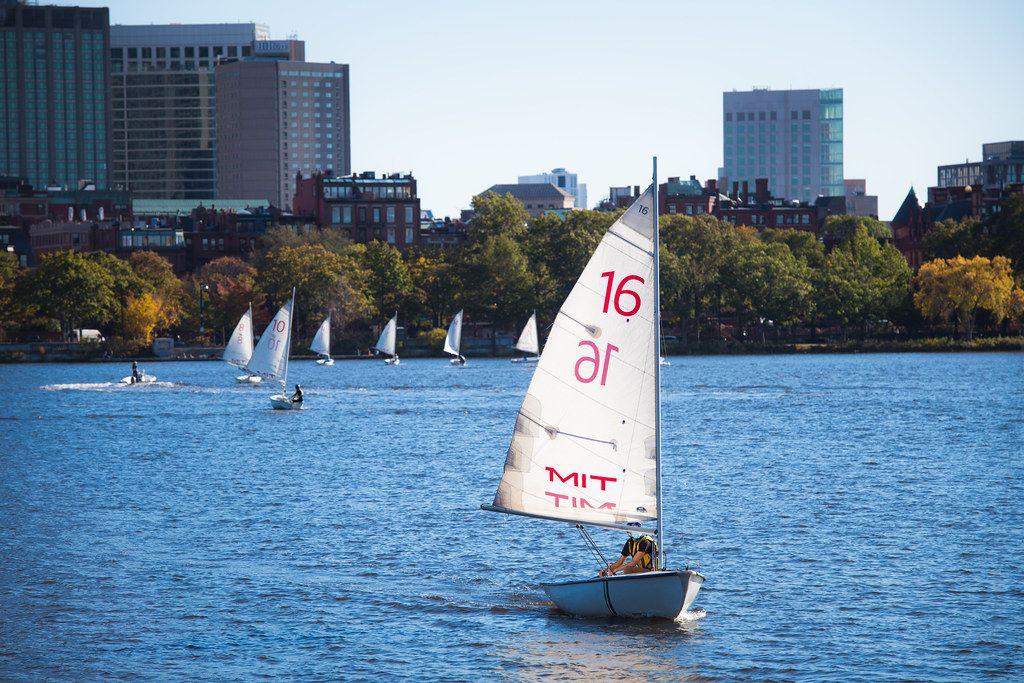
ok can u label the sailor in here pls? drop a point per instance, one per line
(638, 555)
(297, 396)
(462, 359)
(135, 372)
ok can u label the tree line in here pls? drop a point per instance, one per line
(719, 281)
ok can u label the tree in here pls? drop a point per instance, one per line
(863, 280)
(388, 282)
(126, 283)
(499, 283)
(9, 302)
(73, 289)
(142, 314)
(950, 238)
(296, 236)
(767, 281)
(324, 282)
(959, 288)
(839, 229)
(804, 245)
(559, 248)
(495, 214)
(231, 289)
(157, 273)
(1006, 230)
(436, 283)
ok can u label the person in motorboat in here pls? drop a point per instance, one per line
(136, 377)
(637, 556)
(297, 396)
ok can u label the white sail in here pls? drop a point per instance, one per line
(453, 342)
(386, 341)
(270, 359)
(239, 347)
(528, 342)
(322, 339)
(584, 445)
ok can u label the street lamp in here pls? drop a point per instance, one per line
(202, 306)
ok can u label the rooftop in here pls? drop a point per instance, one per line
(530, 191)
(145, 207)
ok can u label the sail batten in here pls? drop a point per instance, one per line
(583, 446)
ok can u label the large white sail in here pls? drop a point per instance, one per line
(528, 342)
(453, 342)
(584, 445)
(270, 359)
(386, 341)
(239, 347)
(322, 339)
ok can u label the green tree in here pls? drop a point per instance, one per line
(436, 284)
(950, 238)
(1006, 228)
(231, 287)
(278, 236)
(961, 287)
(764, 281)
(863, 280)
(839, 229)
(324, 282)
(72, 288)
(494, 215)
(388, 283)
(559, 248)
(10, 305)
(499, 282)
(804, 245)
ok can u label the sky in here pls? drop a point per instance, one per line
(469, 93)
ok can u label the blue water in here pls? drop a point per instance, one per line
(858, 517)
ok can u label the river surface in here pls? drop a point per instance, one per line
(858, 517)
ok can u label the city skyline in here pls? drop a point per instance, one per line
(465, 95)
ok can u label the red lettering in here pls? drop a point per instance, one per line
(603, 480)
(557, 496)
(619, 292)
(552, 473)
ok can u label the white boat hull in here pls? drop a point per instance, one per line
(392, 361)
(281, 402)
(325, 361)
(664, 361)
(457, 361)
(526, 359)
(144, 379)
(248, 379)
(664, 594)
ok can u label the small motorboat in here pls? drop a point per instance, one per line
(142, 379)
(663, 594)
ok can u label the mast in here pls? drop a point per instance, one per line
(252, 335)
(657, 373)
(288, 352)
(394, 351)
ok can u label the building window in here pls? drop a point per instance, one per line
(672, 208)
(391, 214)
(408, 215)
(391, 234)
(408, 236)
(346, 214)
(376, 214)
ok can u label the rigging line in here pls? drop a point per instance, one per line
(576, 391)
(612, 231)
(593, 546)
(549, 429)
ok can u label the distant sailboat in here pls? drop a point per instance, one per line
(586, 448)
(239, 348)
(322, 343)
(386, 341)
(270, 359)
(453, 341)
(528, 342)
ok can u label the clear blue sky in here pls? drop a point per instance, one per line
(468, 93)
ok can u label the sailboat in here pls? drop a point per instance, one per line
(528, 342)
(586, 448)
(386, 341)
(322, 343)
(663, 359)
(270, 359)
(453, 341)
(239, 348)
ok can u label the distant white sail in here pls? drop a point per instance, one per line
(322, 339)
(270, 359)
(528, 339)
(386, 341)
(583, 449)
(453, 342)
(239, 347)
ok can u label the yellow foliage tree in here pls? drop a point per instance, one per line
(141, 316)
(960, 287)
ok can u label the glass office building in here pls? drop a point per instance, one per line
(163, 104)
(54, 105)
(792, 137)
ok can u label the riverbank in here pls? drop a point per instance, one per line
(93, 353)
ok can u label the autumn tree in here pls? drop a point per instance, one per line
(166, 289)
(230, 289)
(9, 302)
(958, 288)
(142, 315)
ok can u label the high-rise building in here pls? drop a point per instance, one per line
(563, 180)
(54, 85)
(164, 122)
(277, 117)
(792, 137)
(1002, 164)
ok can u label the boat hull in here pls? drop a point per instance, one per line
(663, 594)
(248, 379)
(144, 379)
(325, 361)
(458, 361)
(280, 402)
(392, 361)
(526, 359)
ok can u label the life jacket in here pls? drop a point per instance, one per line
(633, 546)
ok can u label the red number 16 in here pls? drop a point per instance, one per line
(621, 291)
(595, 362)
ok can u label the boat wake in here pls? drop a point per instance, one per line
(103, 386)
(691, 616)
